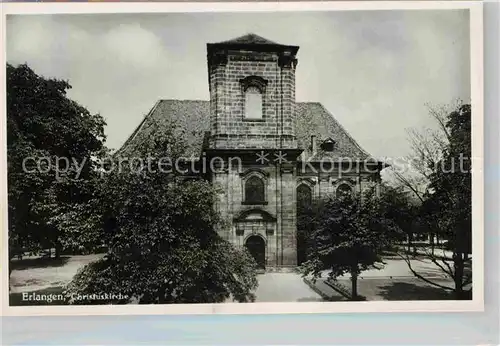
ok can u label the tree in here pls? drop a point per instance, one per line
(449, 198)
(428, 145)
(305, 222)
(51, 145)
(446, 203)
(160, 230)
(349, 236)
(162, 248)
(397, 205)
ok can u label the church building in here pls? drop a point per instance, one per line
(287, 152)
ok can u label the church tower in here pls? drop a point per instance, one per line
(259, 148)
(252, 94)
(252, 113)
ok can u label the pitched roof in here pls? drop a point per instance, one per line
(249, 39)
(193, 120)
(254, 42)
(314, 120)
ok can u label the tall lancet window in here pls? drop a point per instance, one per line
(253, 103)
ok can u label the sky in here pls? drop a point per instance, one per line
(376, 71)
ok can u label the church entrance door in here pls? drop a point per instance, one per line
(257, 248)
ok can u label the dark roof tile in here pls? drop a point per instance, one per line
(193, 120)
(248, 39)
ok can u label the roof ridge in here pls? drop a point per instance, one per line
(249, 38)
(183, 100)
(309, 102)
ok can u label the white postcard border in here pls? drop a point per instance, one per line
(477, 103)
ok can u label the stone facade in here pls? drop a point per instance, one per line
(234, 67)
(230, 72)
(269, 148)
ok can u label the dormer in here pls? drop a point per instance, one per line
(328, 145)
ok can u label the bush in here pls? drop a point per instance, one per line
(223, 272)
(161, 234)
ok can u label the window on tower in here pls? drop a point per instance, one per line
(253, 103)
(254, 191)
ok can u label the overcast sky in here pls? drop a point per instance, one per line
(374, 70)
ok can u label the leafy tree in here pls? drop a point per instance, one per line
(397, 205)
(305, 228)
(160, 230)
(349, 235)
(443, 159)
(449, 199)
(51, 145)
(428, 146)
(305, 222)
(163, 248)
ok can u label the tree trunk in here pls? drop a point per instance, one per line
(431, 241)
(58, 247)
(459, 275)
(411, 244)
(354, 284)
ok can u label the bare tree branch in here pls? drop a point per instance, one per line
(446, 271)
(408, 262)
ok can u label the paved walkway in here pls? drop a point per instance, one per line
(398, 268)
(398, 288)
(284, 287)
(33, 274)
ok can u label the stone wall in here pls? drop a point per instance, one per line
(229, 128)
(275, 221)
(325, 184)
(281, 247)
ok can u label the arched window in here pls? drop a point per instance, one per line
(253, 103)
(343, 190)
(304, 196)
(254, 191)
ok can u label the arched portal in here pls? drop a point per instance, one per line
(257, 248)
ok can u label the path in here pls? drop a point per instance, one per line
(398, 268)
(284, 287)
(37, 274)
